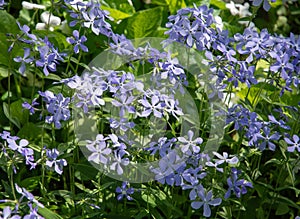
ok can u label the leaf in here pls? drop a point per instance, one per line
(8, 23)
(87, 172)
(144, 23)
(218, 3)
(116, 14)
(3, 72)
(16, 114)
(30, 131)
(30, 183)
(120, 5)
(175, 5)
(7, 113)
(282, 209)
(48, 214)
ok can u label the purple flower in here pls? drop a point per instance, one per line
(47, 60)
(24, 60)
(95, 18)
(7, 212)
(283, 65)
(2, 3)
(167, 165)
(125, 191)
(295, 144)
(237, 185)
(124, 101)
(266, 4)
(120, 45)
(58, 106)
(6, 135)
(280, 123)
(118, 162)
(222, 159)
(154, 107)
(122, 124)
(52, 161)
(33, 214)
(266, 140)
(17, 147)
(28, 195)
(30, 107)
(78, 42)
(189, 143)
(206, 201)
(193, 175)
(99, 149)
(25, 29)
(163, 145)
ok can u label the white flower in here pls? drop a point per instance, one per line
(238, 9)
(219, 22)
(232, 8)
(30, 6)
(50, 19)
(244, 10)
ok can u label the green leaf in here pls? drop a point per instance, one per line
(282, 209)
(16, 114)
(87, 171)
(30, 131)
(3, 72)
(144, 23)
(6, 110)
(119, 5)
(175, 5)
(48, 214)
(116, 14)
(218, 3)
(8, 23)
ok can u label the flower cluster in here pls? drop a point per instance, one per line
(89, 15)
(18, 145)
(15, 212)
(57, 106)
(48, 55)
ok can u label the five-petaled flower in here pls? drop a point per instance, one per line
(78, 42)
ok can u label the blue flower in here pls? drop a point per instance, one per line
(2, 3)
(47, 60)
(7, 214)
(78, 42)
(28, 195)
(58, 106)
(266, 4)
(190, 143)
(99, 149)
(238, 186)
(167, 166)
(155, 107)
(163, 145)
(295, 144)
(30, 107)
(118, 162)
(206, 201)
(52, 161)
(125, 191)
(25, 29)
(267, 139)
(25, 59)
(121, 123)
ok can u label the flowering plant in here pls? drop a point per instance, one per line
(113, 109)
